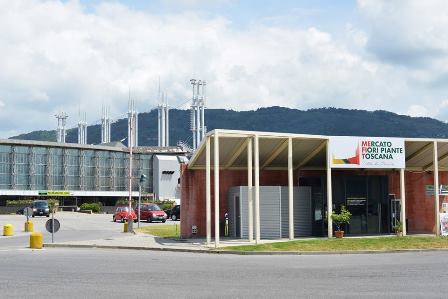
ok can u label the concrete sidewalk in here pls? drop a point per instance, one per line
(140, 241)
(148, 242)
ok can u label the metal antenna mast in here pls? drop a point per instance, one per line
(193, 113)
(167, 121)
(197, 114)
(82, 128)
(132, 124)
(62, 120)
(105, 125)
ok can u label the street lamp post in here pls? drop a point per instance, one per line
(141, 181)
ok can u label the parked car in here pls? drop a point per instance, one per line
(175, 213)
(20, 211)
(122, 213)
(40, 208)
(168, 213)
(152, 212)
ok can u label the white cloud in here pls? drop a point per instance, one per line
(59, 56)
(418, 111)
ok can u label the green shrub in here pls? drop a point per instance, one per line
(94, 206)
(342, 218)
(11, 202)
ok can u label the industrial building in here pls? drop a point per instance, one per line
(277, 185)
(76, 173)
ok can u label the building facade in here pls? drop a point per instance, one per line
(381, 181)
(48, 169)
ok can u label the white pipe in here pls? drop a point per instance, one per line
(159, 117)
(436, 187)
(198, 115)
(136, 129)
(79, 133)
(167, 125)
(250, 204)
(257, 189)
(403, 201)
(329, 193)
(208, 220)
(193, 125)
(203, 107)
(216, 172)
(162, 123)
(202, 121)
(290, 191)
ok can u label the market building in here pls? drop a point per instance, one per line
(279, 185)
(77, 173)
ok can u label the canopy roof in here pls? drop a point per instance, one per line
(309, 151)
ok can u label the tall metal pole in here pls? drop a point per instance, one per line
(139, 203)
(257, 189)
(436, 187)
(203, 110)
(216, 172)
(208, 219)
(130, 164)
(329, 193)
(159, 125)
(250, 204)
(198, 115)
(167, 122)
(193, 113)
(403, 201)
(290, 191)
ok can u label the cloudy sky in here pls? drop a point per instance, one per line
(79, 55)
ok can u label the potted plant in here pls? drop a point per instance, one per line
(398, 228)
(339, 219)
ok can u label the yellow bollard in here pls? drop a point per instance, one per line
(36, 240)
(29, 226)
(8, 230)
(125, 227)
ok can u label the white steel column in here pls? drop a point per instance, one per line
(257, 189)
(167, 126)
(216, 174)
(436, 188)
(329, 193)
(403, 201)
(290, 191)
(159, 126)
(162, 126)
(250, 205)
(208, 220)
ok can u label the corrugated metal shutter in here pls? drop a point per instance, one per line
(234, 191)
(270, 212)
(302, 212)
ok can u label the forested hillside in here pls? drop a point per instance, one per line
(323, 121)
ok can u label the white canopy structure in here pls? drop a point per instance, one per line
(256, 151)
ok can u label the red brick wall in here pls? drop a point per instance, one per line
(193, 194)
(419, 206)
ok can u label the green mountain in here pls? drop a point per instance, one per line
(322, 121)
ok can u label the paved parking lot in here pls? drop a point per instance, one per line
(74, 227)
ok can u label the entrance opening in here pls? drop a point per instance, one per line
(366, 197)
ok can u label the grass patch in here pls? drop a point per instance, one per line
(350, 244)
(164, 231)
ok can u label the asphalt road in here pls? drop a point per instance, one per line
(74, 227)
(97, 273)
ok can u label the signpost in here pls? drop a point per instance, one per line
(28, 212)
(142, 180)
(52, 225)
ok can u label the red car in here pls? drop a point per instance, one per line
(152, 212)
(122, 213)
